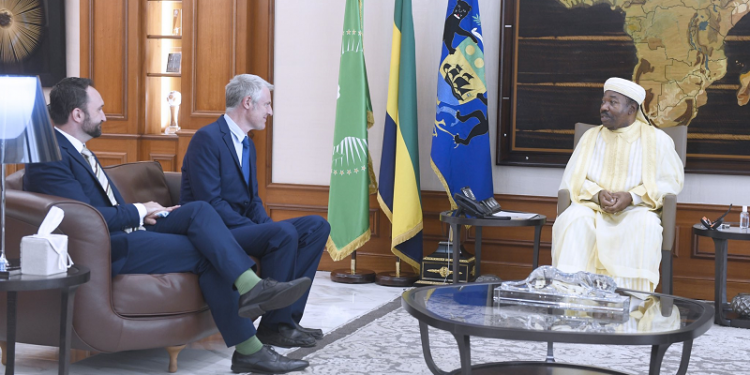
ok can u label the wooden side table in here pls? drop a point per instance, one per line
(67, 283)
(723, 314)
(457, 221)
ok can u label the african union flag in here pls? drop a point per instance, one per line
(398, 187)
(352, 178)
(460, 154)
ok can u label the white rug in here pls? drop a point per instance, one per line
(330, 306)
(386, 341)
(391, 345)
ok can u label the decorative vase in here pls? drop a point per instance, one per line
(741, 304)
(174, 99)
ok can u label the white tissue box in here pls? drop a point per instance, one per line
(44, 254)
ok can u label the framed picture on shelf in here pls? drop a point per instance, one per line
(173, 62)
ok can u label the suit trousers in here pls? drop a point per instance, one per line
(287, 249)
(193, 238)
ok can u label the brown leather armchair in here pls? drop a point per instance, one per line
(668, 212)
(128, 312)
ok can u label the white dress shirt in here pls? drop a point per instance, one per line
(237, 137)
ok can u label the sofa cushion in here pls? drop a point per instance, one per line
(157, 295)
(141, 182)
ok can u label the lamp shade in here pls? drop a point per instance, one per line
(26, 132)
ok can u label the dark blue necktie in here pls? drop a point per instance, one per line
(246, 159)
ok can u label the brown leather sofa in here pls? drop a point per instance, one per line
(128, 312)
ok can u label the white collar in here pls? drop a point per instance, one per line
(239, 135)
(73, 140)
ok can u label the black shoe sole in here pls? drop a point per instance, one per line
(278, 301)
(315, 335)
(238, 369)
(268, 341)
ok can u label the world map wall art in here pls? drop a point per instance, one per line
(691, 56)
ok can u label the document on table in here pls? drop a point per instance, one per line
(516, 215)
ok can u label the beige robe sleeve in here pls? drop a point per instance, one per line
(670, 173)
(582, 190)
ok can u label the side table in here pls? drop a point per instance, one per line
(67, 283)
(457, 221)
(720, 237)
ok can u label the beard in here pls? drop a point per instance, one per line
(93, 130)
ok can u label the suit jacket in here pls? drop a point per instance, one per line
(211, 172)
(73, 178)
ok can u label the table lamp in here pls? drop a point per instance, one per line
(26, 133)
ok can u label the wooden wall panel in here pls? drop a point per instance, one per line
(213, 55)
(114, 149)
(110, 56)
(183, 141)
(259, 57)
(508, 252)
(161, 148)
(216, 39)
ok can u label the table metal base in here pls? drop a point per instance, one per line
(542, 368)
(536, 368)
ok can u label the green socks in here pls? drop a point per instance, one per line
(246, 281)
(249, 346)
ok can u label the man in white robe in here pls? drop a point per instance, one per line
(617, 178)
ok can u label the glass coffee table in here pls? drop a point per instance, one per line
(470, 310)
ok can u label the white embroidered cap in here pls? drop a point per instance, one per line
(628, 88)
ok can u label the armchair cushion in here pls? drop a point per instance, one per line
(157, 295)
(142, 181)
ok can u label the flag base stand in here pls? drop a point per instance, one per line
(353, 275)
(394, 278)
(397, 277)
(356, 277)
(437, 268)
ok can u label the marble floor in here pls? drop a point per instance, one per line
(331, 305)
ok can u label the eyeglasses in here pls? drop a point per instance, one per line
(712, 225)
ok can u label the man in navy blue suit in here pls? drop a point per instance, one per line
(219, 168)
(150, 239)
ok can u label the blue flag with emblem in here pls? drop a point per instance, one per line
(460, 154)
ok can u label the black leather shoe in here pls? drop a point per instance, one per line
(266, 361)
(314, 332)
(285, 337)
(270, 295)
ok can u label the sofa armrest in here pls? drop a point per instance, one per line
(563, 200)
(174, 182)
(88, 245)
(668, 221)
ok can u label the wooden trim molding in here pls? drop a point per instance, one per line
(507, 252)
(120, 157)
(172, 158)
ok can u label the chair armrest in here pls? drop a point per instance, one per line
(563, 200)
(668, 221)
(88, 245)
